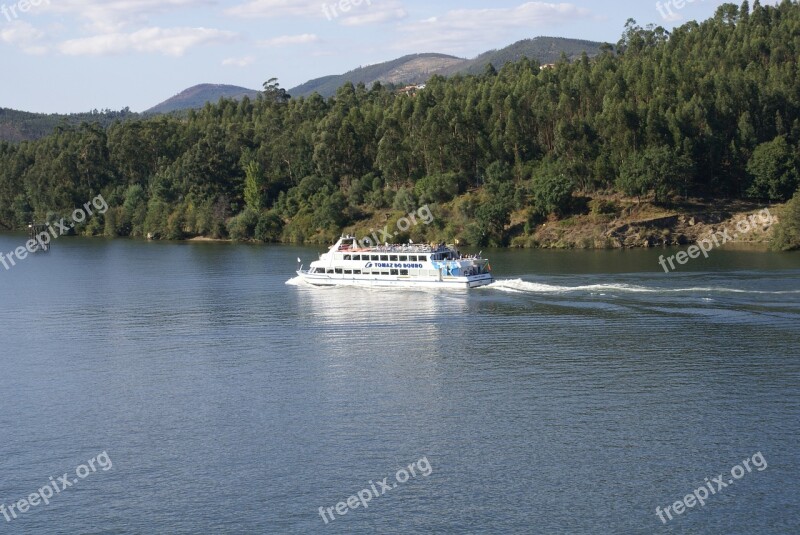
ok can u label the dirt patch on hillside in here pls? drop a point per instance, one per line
(646, 225)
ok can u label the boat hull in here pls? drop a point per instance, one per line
(395, 281)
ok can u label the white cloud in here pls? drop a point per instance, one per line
(286, 40)
(23, 35)
(166, 41)
(346, 12)
(109, 16)
(239, 62)
(380, 12)
(277, 8)
(464, 28)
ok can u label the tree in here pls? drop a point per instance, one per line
(254, 183)
(774, 168)
(787, 235)
(660, 170)
(273, 92)
(551, 190)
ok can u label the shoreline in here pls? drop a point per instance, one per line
(632, 225)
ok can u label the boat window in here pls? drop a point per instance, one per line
(356, 272)
(384, 258)
(330, 271)
(347, 257)
(385, 273)
(338, 271)
(393, 258)
(356, 257)
(395, 272)
(348, 271)
(404, 258)
(374, 258)
(404, 272)
(412, 258)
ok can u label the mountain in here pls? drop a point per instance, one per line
(18, 126)
(411, 69)
(418, 68)
(546, 50)
(196, 97)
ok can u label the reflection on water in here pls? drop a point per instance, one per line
(582, 389)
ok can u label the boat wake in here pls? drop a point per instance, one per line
(521, 286)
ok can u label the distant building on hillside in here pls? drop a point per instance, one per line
(411, 90)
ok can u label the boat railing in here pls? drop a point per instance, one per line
(400, 248)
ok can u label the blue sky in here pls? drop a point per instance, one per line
(77, 55)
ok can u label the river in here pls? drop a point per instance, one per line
(578, 394)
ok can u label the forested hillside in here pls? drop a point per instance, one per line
(197, 96)
(711, 110)
(544, 49)
(419, 68)
(18, 126)
(411, 69)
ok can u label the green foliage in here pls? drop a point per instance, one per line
(491, 218)
(659, 170)
(243, 226)
(437, 188)
(269, 228)
(156, 222)
(774, 167)
(551, 191)
(405, 201)
(273, 92)
(131, 222)
(254, 184)
(787, 234)
(711, 110)
(24, 126)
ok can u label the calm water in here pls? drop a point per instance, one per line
(575, 396)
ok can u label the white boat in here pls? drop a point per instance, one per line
(409, 265)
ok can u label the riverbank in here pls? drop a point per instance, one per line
(634, 225)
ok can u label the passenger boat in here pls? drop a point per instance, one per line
(347, 263)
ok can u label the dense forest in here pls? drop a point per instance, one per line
(24, 126)
(711, 111)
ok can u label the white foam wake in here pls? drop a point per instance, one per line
(521, 286)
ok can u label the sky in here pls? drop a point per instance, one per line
(66, 56)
